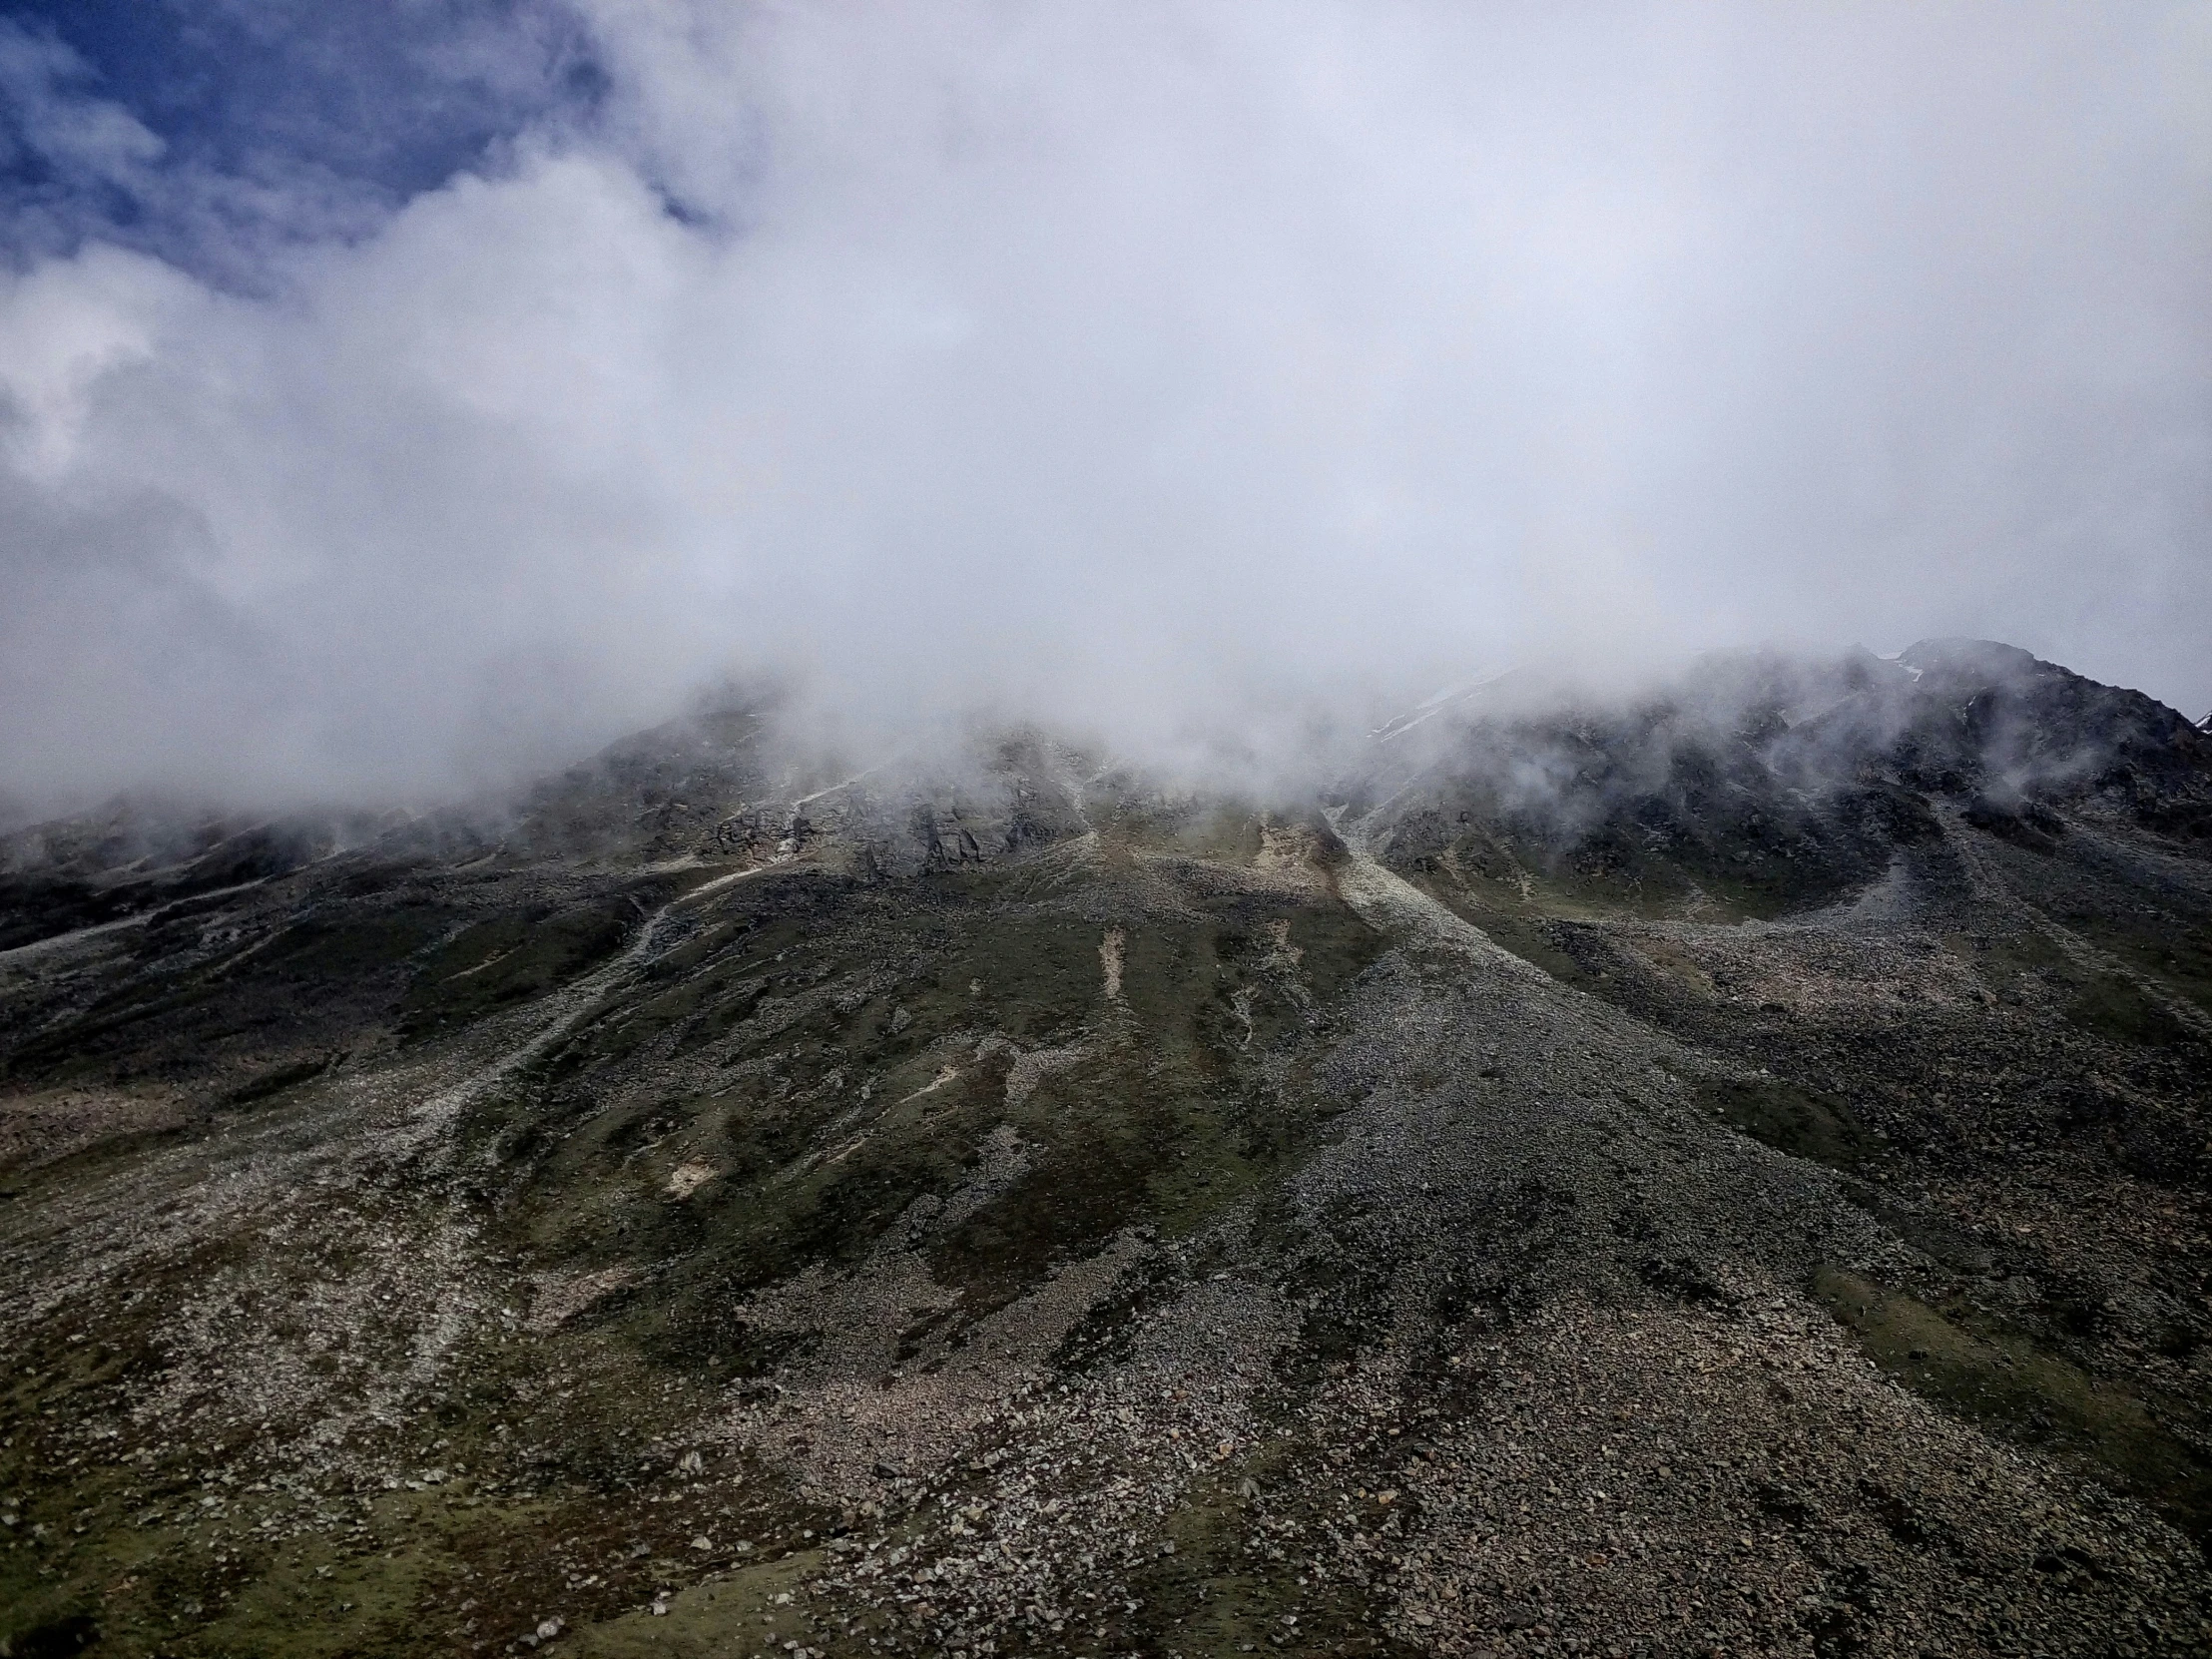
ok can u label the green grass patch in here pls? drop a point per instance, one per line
(511, 958)
(1805, 1123)
(1971, 1363)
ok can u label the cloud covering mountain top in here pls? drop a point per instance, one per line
(1174, 369)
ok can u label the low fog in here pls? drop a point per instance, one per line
(1186, 373)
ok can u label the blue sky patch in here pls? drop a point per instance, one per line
(211, 130)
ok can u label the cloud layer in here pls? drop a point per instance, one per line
(1171, 369)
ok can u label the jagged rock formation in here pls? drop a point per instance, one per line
(1724, 1172)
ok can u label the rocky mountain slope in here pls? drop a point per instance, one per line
(1722, 1171)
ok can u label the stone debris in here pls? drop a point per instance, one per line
(1046, 1211)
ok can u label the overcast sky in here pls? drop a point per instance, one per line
(395, 398)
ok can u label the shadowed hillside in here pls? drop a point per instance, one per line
(1719, 1171)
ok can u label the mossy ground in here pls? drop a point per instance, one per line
(1972, 1364)
(519, 1220)
(833, 1059)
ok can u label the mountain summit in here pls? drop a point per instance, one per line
(1720, 1170)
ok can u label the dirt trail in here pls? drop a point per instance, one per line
(59, 941)
(160, 1205)
(568, 1008)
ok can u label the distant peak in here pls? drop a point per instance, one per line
(1984, 654)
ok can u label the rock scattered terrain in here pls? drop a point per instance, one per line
(1720, 1172)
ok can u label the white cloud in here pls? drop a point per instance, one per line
(44, 85)
(1150, 364)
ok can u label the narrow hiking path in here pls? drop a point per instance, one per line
(347, 1139)
(138, 918)
(569, 1007)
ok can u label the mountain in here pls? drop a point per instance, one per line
(1717, 1170)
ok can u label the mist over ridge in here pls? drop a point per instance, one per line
(1191, 378)
(1357, 829)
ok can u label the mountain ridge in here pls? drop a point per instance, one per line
(1719, 1169)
